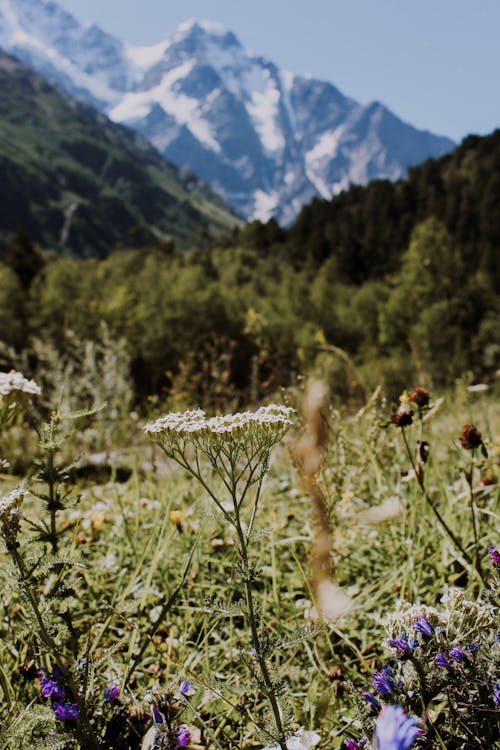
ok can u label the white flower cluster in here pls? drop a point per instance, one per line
(195, 422)
(459, 618)
(9, 512)
(406, 614)
(13, 381)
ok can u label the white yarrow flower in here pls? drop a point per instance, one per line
(13, 381)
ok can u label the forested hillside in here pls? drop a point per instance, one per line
(79, 184)
(392, 283)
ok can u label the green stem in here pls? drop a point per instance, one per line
(52, 500)
(87, 734)
(436, 512)
(252, 619)
(472, 505)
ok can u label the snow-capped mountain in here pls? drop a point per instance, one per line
(265, 139)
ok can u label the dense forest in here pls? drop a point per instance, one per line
(393, 283)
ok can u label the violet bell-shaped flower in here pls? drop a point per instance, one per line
(395, 730)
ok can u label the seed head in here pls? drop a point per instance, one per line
(470, 437)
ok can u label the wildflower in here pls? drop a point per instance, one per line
(495, 556)
(50, 689)
(473, 648)
(301, 740)
(111, 694)
(496, 692)
(441, 661)
(401, 645)
(10, 515)
(420, 397)
(186, 688)
(195, 423)
(458, 654)
(470, 437)
(14, 382)
(158, 717)
(383, 681)
(372, 701)
(176, 517)
(183, 736)
(395, 730)
(351, 745)
(422, 625)
(66, 711)
(402, 417)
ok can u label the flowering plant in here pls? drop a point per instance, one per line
(229, 455)
(444, 668)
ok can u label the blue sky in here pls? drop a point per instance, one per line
(435, 63)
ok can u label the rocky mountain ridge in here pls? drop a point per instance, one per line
(266, 140)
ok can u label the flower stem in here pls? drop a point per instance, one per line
(456, 541)
(87, 734)
(252, 620)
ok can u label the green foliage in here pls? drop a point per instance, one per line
(146, 588)
(12, 308)
(79, 184)
(392, 283)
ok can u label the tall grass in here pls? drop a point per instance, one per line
(148, 586)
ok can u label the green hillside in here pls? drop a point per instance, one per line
(393, 283)
(75, 182)
(367, 229)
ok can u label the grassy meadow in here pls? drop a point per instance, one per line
(127, 577)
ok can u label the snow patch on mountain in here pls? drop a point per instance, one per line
(145, 57)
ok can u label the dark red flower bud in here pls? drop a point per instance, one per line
(402, 417)
(470, 437)
(420, 397)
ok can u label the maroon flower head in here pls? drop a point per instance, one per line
(470, 437)
(402, 417)
(420, 397)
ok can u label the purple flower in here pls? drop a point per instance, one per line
(495, 556)
(372, 701)
(50, 689)
(401, 645)
(186, 688)
(457, 654)
(111, 694)
(351, 745)
(442, 661)
(383, 681)
(66, 711)
(496, 692)
(183, 736)
(158, 717)
(473, 648)
(395, 730)
(423, 626)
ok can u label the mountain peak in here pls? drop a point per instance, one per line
(266, 140)
(200, 32)
(214, 28)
